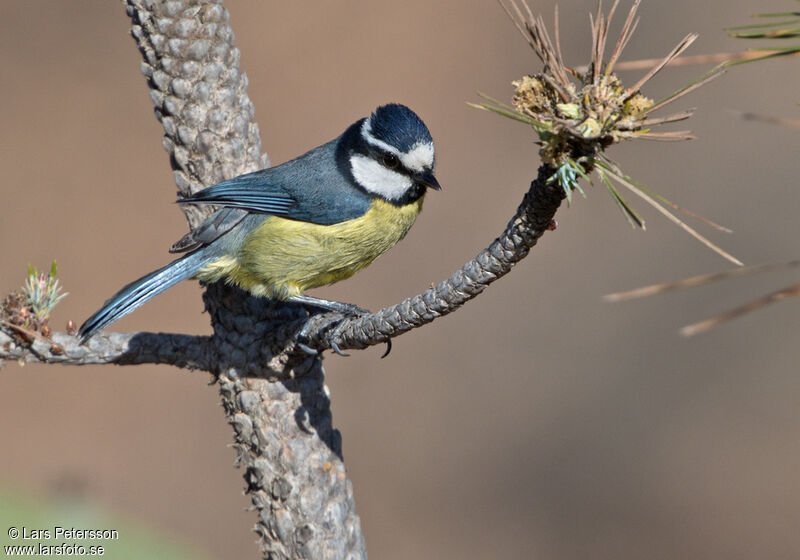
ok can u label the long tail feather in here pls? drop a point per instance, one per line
(142, 290)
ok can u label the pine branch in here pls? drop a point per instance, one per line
(533, 217)
(184, 351)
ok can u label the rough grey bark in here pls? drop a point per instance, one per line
(272, 390)
(199, 93)
(279, 408)
(190, 352)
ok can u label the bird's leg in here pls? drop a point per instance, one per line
(328, 305)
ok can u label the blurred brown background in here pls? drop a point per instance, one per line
(536, 422)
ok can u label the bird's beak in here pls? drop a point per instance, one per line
(427, 179)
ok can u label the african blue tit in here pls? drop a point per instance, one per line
(309, 222)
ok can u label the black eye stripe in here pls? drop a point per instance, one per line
(388, 159)
(376, 153)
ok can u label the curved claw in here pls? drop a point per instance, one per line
(335, 348)
(307, 349)
(388, 348)
(303, 336)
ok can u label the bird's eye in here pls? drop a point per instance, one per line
(390, 161)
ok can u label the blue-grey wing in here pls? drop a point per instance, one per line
(253, 192)
(315, 187)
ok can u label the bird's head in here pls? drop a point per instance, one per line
(391, 155)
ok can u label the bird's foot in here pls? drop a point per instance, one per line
(345, 310)
(303, 337)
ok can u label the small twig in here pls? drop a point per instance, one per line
(774, 297)
(696, 59)
(22, 330)
(698, 280)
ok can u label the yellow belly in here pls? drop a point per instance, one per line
(283, 258)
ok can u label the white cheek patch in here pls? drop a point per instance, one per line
(419, 158)
(377, 179)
